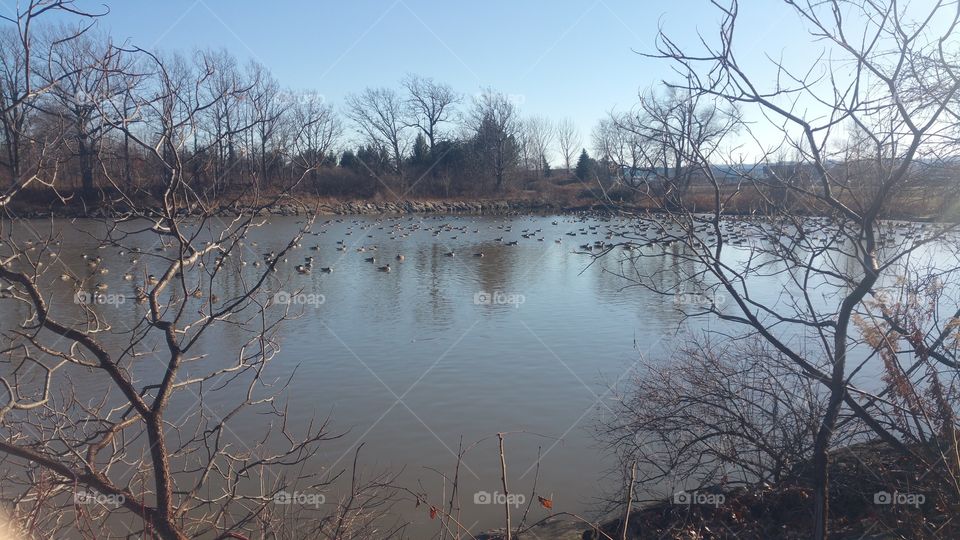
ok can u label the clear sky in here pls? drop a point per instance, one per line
(556, 57)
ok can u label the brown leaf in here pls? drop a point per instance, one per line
(433, 512)
(544, 502)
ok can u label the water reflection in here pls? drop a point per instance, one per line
(409, 361)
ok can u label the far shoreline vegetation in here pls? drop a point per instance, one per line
(81, 135)
(561, 193)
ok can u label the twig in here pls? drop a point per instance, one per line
(506, 492)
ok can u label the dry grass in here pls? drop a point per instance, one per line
(558, 191)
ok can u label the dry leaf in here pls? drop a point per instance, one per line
(433, 512)
(544, 502)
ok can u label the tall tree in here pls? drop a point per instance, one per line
(76, 72)
(267, 108)
(540, 134)
(622, 149)
(316, 129)
(677, 135)
(14, 110)
(430, 105)
(223, 124)
(568, 139)
(898, 94)
(380, 114)
(495, 123)
(19, 87)
(585, 166)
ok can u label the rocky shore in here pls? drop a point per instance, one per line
(353, 207)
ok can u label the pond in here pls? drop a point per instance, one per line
(445, 349)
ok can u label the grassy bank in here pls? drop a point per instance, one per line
(537, 196)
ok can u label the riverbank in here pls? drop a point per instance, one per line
(875, 492)
(910, 205)
(299, 207)
(28, 208)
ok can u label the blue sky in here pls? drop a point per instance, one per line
(557, 58)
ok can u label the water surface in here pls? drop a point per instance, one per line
(441, 351)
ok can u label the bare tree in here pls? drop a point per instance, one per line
(316, 130)
(76, 75)
(431, 104)
(496, 126)
(268, 109)
(540, 132)
(716, 415)
(126, 83)
(676, 137)
(167, 475)
(569, 141)
(13, 85)
(897, 88)
(18, 89)
(224, 124)
(621, 148)
(380, 115)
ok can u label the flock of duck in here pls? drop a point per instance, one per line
(393, 229)
(630, 234)
(361, 236)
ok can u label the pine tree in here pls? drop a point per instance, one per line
(348, 160)
(420, 150)
(584, 166)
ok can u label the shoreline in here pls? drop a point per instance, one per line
(333, 207)
(864, 473)
(504, 207)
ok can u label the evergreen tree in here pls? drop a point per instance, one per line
(585, 166)
(421, 151)
(348, 160)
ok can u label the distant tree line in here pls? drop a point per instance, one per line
(90, 102)
(421, 138)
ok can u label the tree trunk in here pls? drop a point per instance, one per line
(821, 472)
(86, 166)
(127, 173)
(162, 479)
